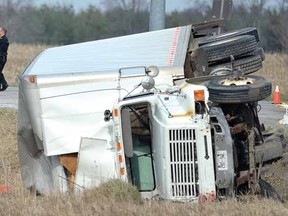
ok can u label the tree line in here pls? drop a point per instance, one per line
(61, 24)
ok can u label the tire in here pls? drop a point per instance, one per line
(223, 50)
(247, 65)
(267, 191)
(258, 52)
(256, 91)
(227, 35)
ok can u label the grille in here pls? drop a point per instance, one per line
(183, 163)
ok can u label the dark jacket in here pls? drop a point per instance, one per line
(4, 43)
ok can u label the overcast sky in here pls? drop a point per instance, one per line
(82, 4)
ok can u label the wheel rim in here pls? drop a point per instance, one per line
(240, 81)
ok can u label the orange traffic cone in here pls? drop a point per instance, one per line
(276, 99)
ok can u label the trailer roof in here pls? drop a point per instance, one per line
(160, 48)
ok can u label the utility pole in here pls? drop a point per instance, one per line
(157, 15)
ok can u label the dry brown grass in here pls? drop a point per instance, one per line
(9, 162)
(18, 57)
(276, 70)
(113, 198)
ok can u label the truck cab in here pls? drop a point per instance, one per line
(166, 138)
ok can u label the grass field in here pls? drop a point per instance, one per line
(275, 69)
(113, 198)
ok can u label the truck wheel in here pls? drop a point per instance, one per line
(250, 89)
(224, 36)
(260, 52)
(267, 190)
(247, 65)
(223, 50)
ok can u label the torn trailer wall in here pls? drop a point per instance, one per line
(73, 87)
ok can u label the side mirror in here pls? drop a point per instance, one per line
(148, 83)
(152, 71)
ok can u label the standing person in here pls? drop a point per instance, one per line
(4, 43)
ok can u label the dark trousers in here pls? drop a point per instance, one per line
(2, 78)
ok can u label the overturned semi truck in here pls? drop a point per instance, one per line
(136, 108)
